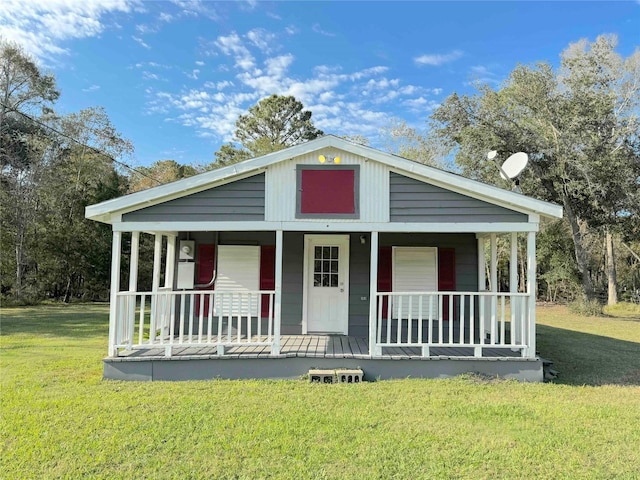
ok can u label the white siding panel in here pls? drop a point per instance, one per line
(415, 269)
(280, 195)
(238, 271)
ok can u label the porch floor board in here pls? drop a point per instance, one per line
(314, 346)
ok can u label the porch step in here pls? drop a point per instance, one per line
(339, 375)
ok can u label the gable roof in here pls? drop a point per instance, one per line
(103, 211)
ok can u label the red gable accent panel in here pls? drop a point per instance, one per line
(446, 276)
(327, 191)
(384, 275)
(267, 275)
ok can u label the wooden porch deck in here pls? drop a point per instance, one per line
(310, 346)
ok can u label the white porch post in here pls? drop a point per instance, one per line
(373, 289)
(482, 287)
(494, 262)
(516, 310)
(115, 288)
(155, 284)
(157, 260)
(482, 278)
(170, 267)
(277, 310)
(531, 290)
(493, 280)
(133, 264)
(133, 284)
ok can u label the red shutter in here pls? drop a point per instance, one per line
(206, 262)
(446, 276)
(267, 274)
(384, 275)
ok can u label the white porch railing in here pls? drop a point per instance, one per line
(194, 318)
(478, 320)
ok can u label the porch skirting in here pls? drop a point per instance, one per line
(299, 354)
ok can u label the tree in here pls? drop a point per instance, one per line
(51, 169)
(159, 173)
(579, 126)
(23, 88)
(274, 123)
(80, 172)
(407, 142)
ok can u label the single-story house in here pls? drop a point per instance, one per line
(327, 254)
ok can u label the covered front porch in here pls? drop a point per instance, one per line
(177, 323)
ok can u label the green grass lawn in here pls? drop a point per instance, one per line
(59, 419)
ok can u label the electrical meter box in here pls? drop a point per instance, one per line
(186, 265)
(186, 272)
(187, 250)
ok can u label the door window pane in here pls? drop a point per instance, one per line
(325, 266)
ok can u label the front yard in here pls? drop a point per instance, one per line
(60, 420)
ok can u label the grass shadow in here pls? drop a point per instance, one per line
(88, 321)
(588, 359)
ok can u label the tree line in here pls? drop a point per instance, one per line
(578, 123)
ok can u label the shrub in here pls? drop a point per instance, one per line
(588, 308)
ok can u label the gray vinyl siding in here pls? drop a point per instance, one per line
(411, 200)
(292, 283)
(242, 200)
(359, 262)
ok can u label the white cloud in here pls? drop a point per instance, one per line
(43, 26)
(367, 72)
(141, 42)
(277, 66)
(219, 85)
(482, 74)
(421, 104)
(193, 75)
(262, 39)
(200, 63)
(318, 29)
(150, 76)
(152, 65)
(436, 59)
(343, 101)
(196, 8)
(92, 88)
(144, 29)
(233, 46)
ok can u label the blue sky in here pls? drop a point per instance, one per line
(173, 76)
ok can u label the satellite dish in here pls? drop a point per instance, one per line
(492, 154)
(514, 165)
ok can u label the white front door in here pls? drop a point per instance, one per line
(326, 284)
